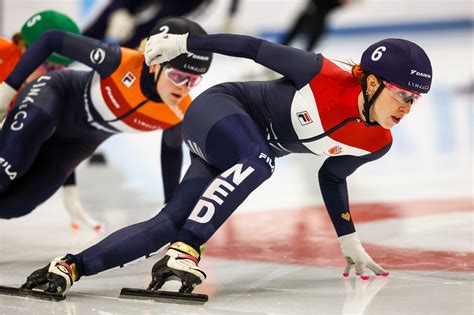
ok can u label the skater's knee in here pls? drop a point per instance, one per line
(262, 165)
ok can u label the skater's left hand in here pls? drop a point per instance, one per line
(357, 257)
(163, 47)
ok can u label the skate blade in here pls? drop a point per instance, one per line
(31, 293)
(164, 296)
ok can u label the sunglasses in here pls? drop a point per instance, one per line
(402, 95)
(180, 78)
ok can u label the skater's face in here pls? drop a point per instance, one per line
(173, 85)
(392, 104)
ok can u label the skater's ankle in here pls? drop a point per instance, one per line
(75, 265)
(186, 249)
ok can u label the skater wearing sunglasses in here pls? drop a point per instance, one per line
(236, 130)
(59, 119)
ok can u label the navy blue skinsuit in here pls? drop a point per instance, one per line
(235, 131)
(57, 120)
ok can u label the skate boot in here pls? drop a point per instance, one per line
(58, 276)
(180, 261)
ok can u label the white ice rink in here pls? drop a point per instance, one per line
(278, 253)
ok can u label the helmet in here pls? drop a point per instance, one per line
(399, 61)
(196, 62)
(45, 21)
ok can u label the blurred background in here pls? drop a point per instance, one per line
(431, 157)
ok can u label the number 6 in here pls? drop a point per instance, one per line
(377, 54)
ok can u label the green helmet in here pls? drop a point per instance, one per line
(45, 21)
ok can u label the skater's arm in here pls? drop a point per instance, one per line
(332, 182)
(297, 65)
(102, 57)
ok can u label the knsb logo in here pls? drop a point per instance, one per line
(335, 150)
(128, 79)
(7, 167)
(346, 216)
(220, 186)
(304, 118)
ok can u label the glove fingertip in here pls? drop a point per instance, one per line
(385, 274)
(364, 277)
(345, 274)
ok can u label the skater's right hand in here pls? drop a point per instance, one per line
(59, 275)
(357, 257)
(163, 47)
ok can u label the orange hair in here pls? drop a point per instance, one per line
(358, 72)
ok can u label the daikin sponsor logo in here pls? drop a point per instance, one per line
(198, 57)
(420, 74)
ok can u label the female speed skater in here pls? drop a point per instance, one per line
(236, 130)
(59, 119)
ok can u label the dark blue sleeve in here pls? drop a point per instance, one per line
(295, 64)
(102, 57)
(171, 159)
(332, 182)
